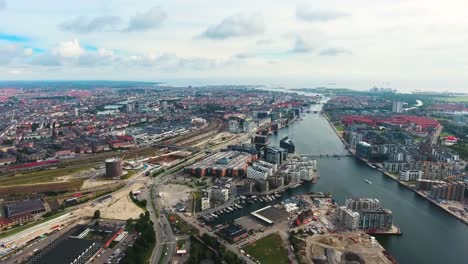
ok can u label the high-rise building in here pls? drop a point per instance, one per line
(205, 200)
(379, 219)
(426, 185)
(164, 105)
(410, 175)
(348, 218)
(275, 155)
(454, 191)
(359, 204)
(353, 139)
(219, 195)
(397, 107)
(363, 149)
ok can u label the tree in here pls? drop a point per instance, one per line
(97, 214)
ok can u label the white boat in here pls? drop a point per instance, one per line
(230, 209)
(369, 182)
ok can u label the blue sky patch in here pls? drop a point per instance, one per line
(89, 47)
(38, 50)
(13, 38)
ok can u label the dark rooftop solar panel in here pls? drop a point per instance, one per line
(22, 207)
(67, 251)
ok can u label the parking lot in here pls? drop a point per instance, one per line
(115, 254)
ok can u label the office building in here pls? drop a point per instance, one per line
(219, 195)
(275, 155)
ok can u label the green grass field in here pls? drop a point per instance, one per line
(455, 99)
(340, 128)
(41, 176)
(128, 175)
(445, 134)
(269, 250)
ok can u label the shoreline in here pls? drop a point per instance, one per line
(392, 176)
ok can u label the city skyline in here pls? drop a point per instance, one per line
(405, 45)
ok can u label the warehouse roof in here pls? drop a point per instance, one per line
(68, 251)
(24, 207)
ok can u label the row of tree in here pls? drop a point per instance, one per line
(141, 250)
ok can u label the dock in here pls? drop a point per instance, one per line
(394, 231)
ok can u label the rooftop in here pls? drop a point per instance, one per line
(67, 251)
(23, 207)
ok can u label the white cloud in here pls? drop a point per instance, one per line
(84, 25)
(301, 46)
(374, 31)
(105, 52)
(333, 52)
(17, 71)
(236, 26)
(28, 51)
(68, 49)
(172, 62)
(8, 52)
(309, 14)
(150, 19)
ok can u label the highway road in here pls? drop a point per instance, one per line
(165, 238)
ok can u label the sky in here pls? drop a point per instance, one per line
(402, 44)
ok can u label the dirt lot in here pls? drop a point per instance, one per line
(92, 183)
(359, 244)
(172, 194)
(123, 209)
